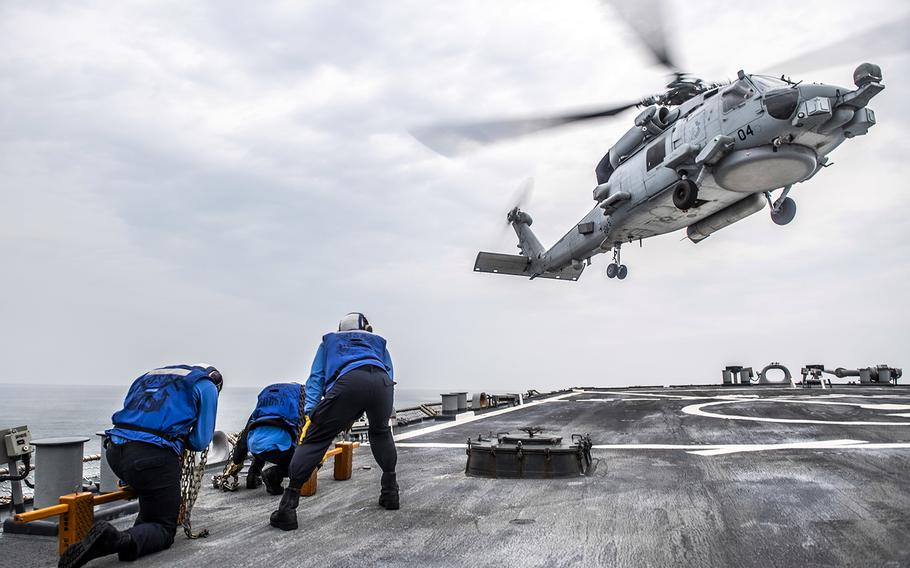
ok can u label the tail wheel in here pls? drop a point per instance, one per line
(685, 194)
(785, 212)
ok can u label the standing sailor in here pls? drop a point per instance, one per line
(352, 370)
(271, 434)
(165, 410)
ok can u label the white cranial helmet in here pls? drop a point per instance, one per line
(354, 321)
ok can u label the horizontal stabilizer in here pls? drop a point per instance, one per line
(502, 263)
(518, 265)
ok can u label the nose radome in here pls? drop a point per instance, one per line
(867, 73)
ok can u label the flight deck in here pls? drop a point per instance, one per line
(690, 476)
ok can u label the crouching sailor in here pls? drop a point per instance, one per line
(165, 410)
(271, 434)
(351, 374)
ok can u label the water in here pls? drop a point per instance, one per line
(69, 410)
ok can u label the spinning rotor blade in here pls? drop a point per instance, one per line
(453, 139)
(646, 19)
(885, 39)
(523, 193)
(519, 199)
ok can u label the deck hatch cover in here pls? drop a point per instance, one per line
(531, 456)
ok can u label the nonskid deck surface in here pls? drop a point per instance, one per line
(695, 476)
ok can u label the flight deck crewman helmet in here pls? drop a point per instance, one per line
(213, 374)
(355, 321)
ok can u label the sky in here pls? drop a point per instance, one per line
(221, 182)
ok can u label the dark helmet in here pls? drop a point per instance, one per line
(212, 373)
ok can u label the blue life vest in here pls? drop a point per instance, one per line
(278, 405)
(347, 350)
(161, 403)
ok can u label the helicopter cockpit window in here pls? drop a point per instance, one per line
(782, 103)
(766, 83)
(737, 93)
(656, 153)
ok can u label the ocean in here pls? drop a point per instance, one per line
(70, 410)
(52, 411)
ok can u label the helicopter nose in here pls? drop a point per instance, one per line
(812, 109)
(867, 73)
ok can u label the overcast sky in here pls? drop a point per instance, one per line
(205, 181)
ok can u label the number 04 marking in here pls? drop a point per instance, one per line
(747, 132)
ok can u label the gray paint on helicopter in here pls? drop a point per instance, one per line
(752, 136)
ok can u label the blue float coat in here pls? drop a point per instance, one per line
(266, 438)
(316, 383)
(205, 395)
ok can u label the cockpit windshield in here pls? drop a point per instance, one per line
(766, 83)
(737, 93)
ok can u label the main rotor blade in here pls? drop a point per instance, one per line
(885, 39)
(454, 139)
(646, 19)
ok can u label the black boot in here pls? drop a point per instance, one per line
(388, 495)
(254, 475)
(253, 481)
(285, 518)
(272, 477)
(102, 539)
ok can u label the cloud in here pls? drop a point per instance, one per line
(222, 182)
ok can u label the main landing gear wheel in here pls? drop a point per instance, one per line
(785, 212)
(616, 269)
(685, 194)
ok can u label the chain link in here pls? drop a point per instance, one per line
(190, 484)
(229, 480)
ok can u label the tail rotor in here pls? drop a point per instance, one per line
(519, 199)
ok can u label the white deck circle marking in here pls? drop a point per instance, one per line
(696, 410)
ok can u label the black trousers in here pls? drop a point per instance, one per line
(154, 473)
(365, 389)
(282, 459)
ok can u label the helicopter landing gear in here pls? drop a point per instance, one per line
(784, 209)
(685, 194)
(616, 269)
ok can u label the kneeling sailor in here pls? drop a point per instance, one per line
(165, 410)
(271, 435)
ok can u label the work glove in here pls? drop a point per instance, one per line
(232, 469)
(306, 426)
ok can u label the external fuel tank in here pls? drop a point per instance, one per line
(727, 216)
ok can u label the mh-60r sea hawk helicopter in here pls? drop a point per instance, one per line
(701, 156)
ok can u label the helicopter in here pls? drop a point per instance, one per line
(699, 156)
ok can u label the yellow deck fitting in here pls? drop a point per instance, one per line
(343, 452)
(76, 512)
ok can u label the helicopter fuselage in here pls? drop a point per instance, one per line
(707, 163)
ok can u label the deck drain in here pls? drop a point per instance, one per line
(521, 522)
